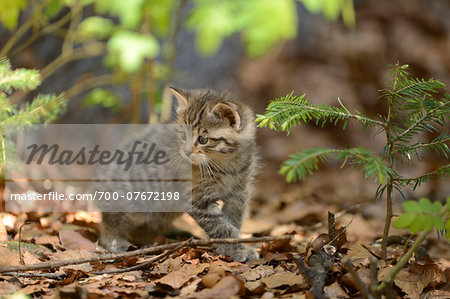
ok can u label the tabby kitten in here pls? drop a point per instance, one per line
(224, 162)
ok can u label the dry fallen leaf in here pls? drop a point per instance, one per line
(335, 291)
(8, 257)
(229, 286)
(73, 240)
(278, 280)
(258, 272)
(178, 278)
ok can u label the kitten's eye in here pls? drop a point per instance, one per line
(183, 136)
(203, 140)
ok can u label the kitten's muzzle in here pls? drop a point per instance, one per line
(188, 152)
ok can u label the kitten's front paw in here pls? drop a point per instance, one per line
(116, 245)
(239, 252)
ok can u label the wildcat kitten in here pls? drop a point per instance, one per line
(224, 162)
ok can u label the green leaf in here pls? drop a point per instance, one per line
(96, 26)
(448, 204)
(132, 48)
(161, 12)
(103, 97)
(129, 12)
(411, 206)
(436, 207)
(425, 205)
(9, 12)
(438, 222)
(428, 223)
(404, 220)
(417, 224)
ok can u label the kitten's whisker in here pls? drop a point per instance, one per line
(210, 172)
(218, 168)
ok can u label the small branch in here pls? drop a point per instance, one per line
(20, 242)
(418, 122)
(373, 277)
(58, 276)
(364, 292)
(401, 263)
(408, 181)
(21, 30)
(404, 149)
(387, 223)
(87, 84)
(316, 271)
(144, 251)
(334, 240)
(334, 113)
(144, 264)
(332, 229)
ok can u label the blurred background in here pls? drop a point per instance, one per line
(113, 60)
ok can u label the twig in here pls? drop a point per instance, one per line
(317, 270)
(339, 234)
(373, 277)
(332, 229)
(150, 250)
(144, 264)
(401, 263)
(358, 282)
(58, 276)
(20, 241)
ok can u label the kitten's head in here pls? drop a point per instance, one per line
(222, 127)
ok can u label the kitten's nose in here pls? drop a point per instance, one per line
(188, 152)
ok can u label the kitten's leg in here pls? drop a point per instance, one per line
(216, 225)
(234, 208)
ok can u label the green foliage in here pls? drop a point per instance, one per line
(414, 108)
(137, 38)
(331, 9)
(42, 109)
(9, 12)
(424, 215)
(413, 111)
(103, 97)
(301, 164)
(262, 23)
(289, 111)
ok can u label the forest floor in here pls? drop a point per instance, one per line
(197, 272)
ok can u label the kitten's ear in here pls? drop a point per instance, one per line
(181, 96)
(228, 112)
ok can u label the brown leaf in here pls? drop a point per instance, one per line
(190, 288)
(229, 286)
(364, 275)
(278, 280)
(255, 287)
(73, 254)
(359, 256)
(177, 279)
(8, 257)
(7, 288)
(73, 240)
(210, 279)
(30, 259)
(276, 246)
(335, 291)
(47, 239)
(3, 233)
(258, 272)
